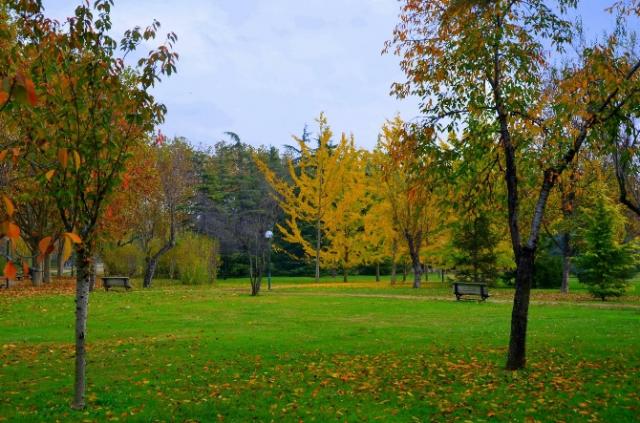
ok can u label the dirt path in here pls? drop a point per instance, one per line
(604, 305)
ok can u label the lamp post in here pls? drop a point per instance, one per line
(269, 236)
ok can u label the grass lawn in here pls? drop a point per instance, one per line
(362, 351)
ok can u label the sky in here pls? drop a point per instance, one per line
(266, 68)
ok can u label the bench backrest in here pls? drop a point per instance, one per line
(463, 288)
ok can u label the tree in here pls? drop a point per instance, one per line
(474, 244)
(161, 218)
(343, 224)
(605, 264)
(408, 181)
(94, 110)
(482, 65)
(316, 185)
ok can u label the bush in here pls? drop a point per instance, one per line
(127, 260)
(196, 259)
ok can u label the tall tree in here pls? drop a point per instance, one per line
(94, 110)
(316, 185)
(482, 64)
(408, 182)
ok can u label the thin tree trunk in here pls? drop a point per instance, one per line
(414, 252)
(318, 242)
(36, 272)
(345, 274)
(393, 263)
(566, 262)
(85, 269)
(46, 275)
(152, 261)
(378, 272)
(405, 271)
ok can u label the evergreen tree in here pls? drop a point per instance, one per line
(475, 243)
(605, 264)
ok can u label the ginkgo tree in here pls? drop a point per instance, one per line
(93, 109)
(316, 186)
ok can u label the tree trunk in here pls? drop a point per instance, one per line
(378, 272)
(519, 316)
(46, 275)
(85, 269)
(36, 272)
(60, 265)
(318, 242)
(417, 273)
(566, 262)
(394, 271)
(405, 271)
(345, 274)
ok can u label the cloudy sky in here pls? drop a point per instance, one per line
(265, 68)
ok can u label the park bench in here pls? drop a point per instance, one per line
(479, 289)
(112, 281)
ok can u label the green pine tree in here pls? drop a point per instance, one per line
(474, 243)
(605, 265)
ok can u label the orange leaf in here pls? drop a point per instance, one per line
(3, 97)
(31, 92)
(3, 154)
(50, 174)
(44, 244)
(8, 205)
(73, 237)
(13, 231)
(10, 271)
(63, 156)
(25, 268)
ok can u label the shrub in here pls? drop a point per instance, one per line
(126, 260)
(196, 259)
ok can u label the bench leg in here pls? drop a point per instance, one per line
(458, 297)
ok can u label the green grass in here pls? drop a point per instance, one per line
(317, 353)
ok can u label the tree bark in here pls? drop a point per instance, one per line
(414, 252)
(36, 272)
(60, 265)
(393, 264)
(152, 261)
(85, 269)
(519, 317)
(378, 272)
(46, 275)
(318, 242)
(566, 262)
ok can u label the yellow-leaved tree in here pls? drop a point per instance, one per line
(344, 221)
(315, 187)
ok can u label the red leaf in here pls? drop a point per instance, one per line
(10, 271)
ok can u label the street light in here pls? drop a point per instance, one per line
(269, 236)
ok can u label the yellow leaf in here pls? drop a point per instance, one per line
(73, 237)
(8, 205)
(76, 159)
(66, 249)
(49, 174)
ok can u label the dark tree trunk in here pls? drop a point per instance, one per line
(519, 316)
(566, 262)
(46, 275)
(60, 264)
(85, 269)
(345, 274)
(318, 244)
(377, 272)
(36, 271)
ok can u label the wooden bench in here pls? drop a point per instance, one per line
(479, 289)
(112, 281)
